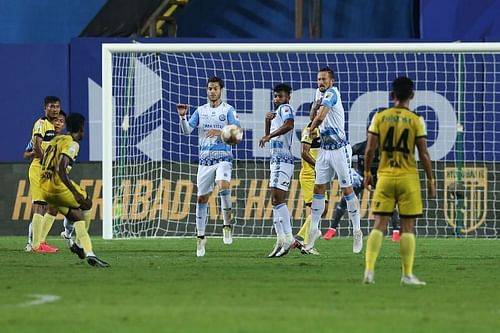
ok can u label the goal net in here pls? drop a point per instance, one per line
(149, 166)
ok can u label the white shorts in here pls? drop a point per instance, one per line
(281, 175)
(209, 174)
(331, 162)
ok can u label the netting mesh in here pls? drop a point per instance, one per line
(154, 165)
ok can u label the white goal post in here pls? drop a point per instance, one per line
(149, 167)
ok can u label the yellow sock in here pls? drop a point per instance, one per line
(304, 230)
(86, 217)
(83, 236)
(407, 250)
(37, 226)
(373, 246)
(47, 222)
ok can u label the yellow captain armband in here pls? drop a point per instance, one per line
(432, 180)
(368, 173)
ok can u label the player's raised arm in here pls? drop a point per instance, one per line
(182, 109)
(187, 126)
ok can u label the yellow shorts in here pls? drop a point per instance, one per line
(61, 198)
(307, 186)
(34, 175)
(403, 191)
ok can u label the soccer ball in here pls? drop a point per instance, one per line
(231, 134)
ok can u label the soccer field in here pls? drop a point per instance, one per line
(159, 285)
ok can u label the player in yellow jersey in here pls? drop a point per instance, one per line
(309, 153)
(60, 191)
(43, 132)
(397, 131)
(59, 123)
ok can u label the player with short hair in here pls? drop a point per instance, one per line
(396, 131)
(279, 133)
(334, 158)
(215, 157)
(59, 123)
(43, 132)
(60, 191)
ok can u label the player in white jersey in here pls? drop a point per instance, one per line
(215, 157)
(279, 133)
(334, 158)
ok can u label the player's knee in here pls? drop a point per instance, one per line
(407, 225)
(277, 200)
(319, 188)
(39, 207)
(347, 190)
(52, 210)
(202, 199)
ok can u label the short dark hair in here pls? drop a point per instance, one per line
(402, 88)
(51, 99)
(62, 113)
(283, 87)
(74, 122)
(328, 70)
(216, 79)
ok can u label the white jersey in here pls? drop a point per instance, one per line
(281, 146)
(212, 150)
(332, 130)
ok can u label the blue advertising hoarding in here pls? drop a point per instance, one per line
(444, 96)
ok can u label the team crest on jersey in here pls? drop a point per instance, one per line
(328, 95)
(285, 110)
(73, 149)
(222, 117)
(471, 192)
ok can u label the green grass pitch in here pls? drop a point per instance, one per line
(158, 285)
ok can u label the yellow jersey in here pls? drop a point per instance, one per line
(60, 145)
(397, 130)
(44, 129)
(307, 170)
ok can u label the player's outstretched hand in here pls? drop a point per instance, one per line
(265, 139)
(182, 109)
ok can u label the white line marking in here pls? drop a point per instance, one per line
(39, 299)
